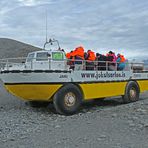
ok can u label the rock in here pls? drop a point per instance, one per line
(135, 118)
(102, 136)
(146, 125)
(58, 142)
(1, 108)
(130, 121)
(143, 111)
(118, 145)
(132, 125)
(88, 122)
(4, 140)
(12, 139)
(57, 126)
(114, 115)
(99, 139)
(89, 112)
(134, 129)
(140, 126)
(23, 137)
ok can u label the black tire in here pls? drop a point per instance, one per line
(131, 92)
(62, 102)
(38, 104)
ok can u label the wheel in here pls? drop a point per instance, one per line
(68, 99)
(37, 104)
(131, 93)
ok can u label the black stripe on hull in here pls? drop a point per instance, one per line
(87, 82)
(55, 83)
(35, 71)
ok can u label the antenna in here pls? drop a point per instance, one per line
(46, 26)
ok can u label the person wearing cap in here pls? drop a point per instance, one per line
(78, 55)
(68, 55)
(120, 62)
(101, 61)
(90, 57)
(111, 58)
(70, 59)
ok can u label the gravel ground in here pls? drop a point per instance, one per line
(101, 124)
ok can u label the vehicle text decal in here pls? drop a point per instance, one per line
(103, 75)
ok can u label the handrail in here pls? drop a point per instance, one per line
(51, 41)
(82, 64)
(14, 58)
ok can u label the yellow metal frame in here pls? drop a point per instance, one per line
(143, 85)
(100, 90)
(33, 91)
(44, 92)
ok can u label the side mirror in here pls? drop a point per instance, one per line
(48, 55)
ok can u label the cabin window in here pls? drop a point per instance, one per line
(42, 56)
(30, 57)
(57, 56)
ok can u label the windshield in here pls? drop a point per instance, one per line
(30, 57)
(57, 56)
(42, 56)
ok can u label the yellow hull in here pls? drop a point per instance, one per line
(44, 92)
(100, 90)
(143, 85)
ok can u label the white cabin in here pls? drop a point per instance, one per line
(46, 60)
(40, 60)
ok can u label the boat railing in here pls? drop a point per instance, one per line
(21, 63)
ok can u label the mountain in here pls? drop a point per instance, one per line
(145, 64)
(12, 48)
(145, 61)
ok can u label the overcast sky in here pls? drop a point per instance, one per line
(100, 25)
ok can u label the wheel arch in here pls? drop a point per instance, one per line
(76, 84)
(135, 83)
(127, 98)
(64, 84)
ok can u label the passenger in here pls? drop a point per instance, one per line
(111, 58)
(85, 55)
(68, 55)
(120, 62)
(101, 61)
(70, 60)
(78, 55)
(114, 57)
(90, 58)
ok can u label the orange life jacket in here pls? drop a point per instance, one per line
(91, 56)
(122, 59)
(79, 52)
(68, 55)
